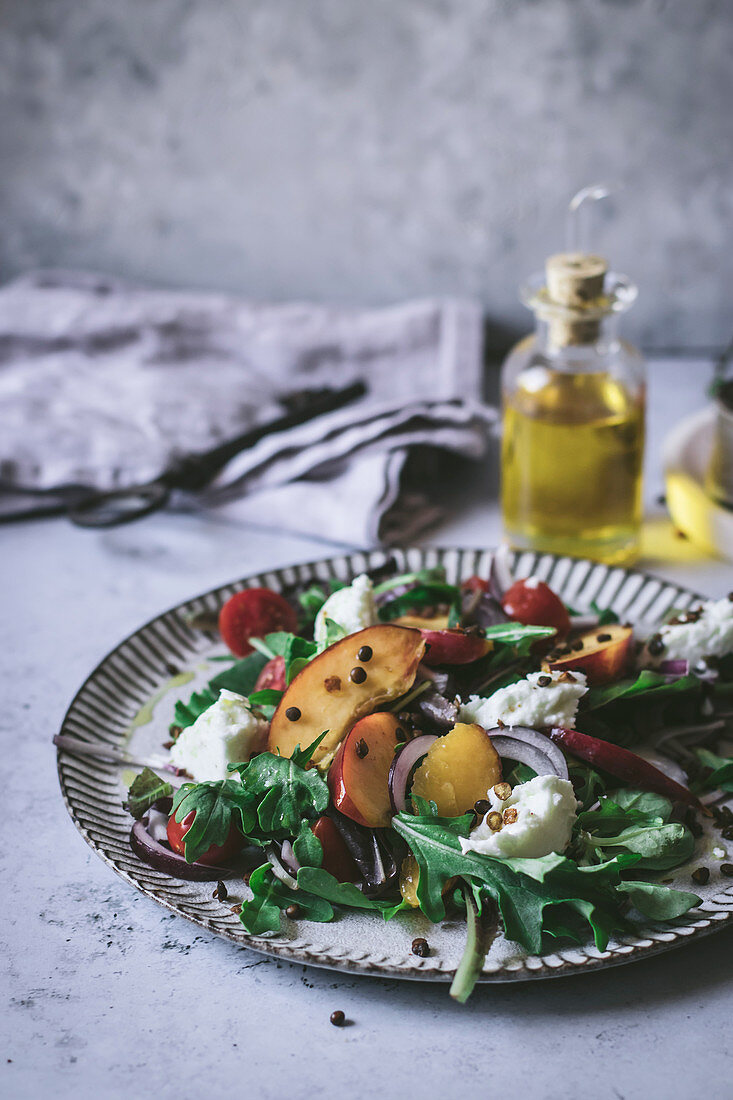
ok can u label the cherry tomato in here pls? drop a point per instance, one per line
(337, 858)
(535, 604)
(272, 676)
(475, 584)
(216, 853)
(252, 614)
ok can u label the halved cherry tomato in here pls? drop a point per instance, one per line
(252, 614)
(337, 858)
(535, 604)
(272, 676)
(216, 853)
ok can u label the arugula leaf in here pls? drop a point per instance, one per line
(321, 884)
(268, 697)
(312, 600)
(518, 635)
(334, 633)
(587, 784)
(240, 677)
(283, 793)
(721, 774)
(522, 889)
(215, 804)
(295, 651)
(648, 684)
(642, 828)
(262, 913)
(145, 789)
(422, 595)
(605, 615)
(185, 714)
(435, 575)
(658, 902)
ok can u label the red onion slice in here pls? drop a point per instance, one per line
(165, 859)
(677, 666)
(402, 765)
(530, 747)
(288, 857)
(278, 868)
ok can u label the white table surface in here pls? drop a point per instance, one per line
(111, 996)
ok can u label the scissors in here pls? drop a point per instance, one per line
(89, 507)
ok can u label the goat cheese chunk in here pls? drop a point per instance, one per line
(542, 699)
(693, 635)
(227, 733)
(537, 818)
(353, 608)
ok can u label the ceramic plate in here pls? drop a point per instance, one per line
(127, 703)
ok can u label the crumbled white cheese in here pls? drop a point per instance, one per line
(546, 809)
(531, 702)
(352, 608)
(719, 853)
(227, 733)
(710, 635)
(532, 582)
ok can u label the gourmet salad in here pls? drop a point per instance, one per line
(402, 743)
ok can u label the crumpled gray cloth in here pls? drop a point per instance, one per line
(104, 382)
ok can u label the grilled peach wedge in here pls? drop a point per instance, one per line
(352, 678)
(602, 654)
(358, 778)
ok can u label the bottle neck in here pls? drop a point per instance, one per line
(577, 343)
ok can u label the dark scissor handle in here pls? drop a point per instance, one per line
(118, 506)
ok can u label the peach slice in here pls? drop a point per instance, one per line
(454, 647)
(351, 678)
(459, 769)
(602, 654)
(358, 779)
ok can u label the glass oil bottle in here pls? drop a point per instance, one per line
(573, 397)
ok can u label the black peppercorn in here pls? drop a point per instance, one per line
(482, 807)
(727, 832)
(726, 869)
(221, 891)
(292, 911)
(358, 675)
(577, 645)
(362, 749)
(655, 646)
(292, 714)
(700, 876)
(365, 653)
(420, 947)
(544, 681)
(337, 1018)
(603, 637)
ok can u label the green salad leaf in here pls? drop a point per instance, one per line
(637, 823)
(717, 771)
(240, 677)
(285, 794)
(215, 804)
(658, 902)
(524, 890)
(145, 789)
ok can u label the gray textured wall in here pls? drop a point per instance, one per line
(367, 150)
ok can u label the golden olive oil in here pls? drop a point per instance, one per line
(572, 453)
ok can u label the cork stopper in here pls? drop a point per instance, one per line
(575, 284)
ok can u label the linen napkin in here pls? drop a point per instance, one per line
(105, 382)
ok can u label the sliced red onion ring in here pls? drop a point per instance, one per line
(278, 868)
(530, 747)
(287, 855)
(676, 666)
(402, 765)
(165, 859)
(500, 573)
